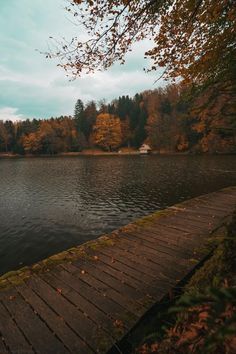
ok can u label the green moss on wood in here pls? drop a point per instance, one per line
(17, 277)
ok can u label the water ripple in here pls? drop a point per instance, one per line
(50, 204)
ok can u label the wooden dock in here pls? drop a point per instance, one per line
(86, 299)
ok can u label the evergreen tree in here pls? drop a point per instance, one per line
(79, 115)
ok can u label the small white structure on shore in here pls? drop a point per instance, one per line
(145, 149)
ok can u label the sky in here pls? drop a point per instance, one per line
(32, 86)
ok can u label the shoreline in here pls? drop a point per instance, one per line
(104, 153)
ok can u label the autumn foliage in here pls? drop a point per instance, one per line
(177, 118)
(192, 39)
(107, 132)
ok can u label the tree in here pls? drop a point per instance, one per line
(107, 132)
(79, 115)
(32, 143)
(194, 39)
(90, 114)
(4, 136)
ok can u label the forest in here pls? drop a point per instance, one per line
(177, 118)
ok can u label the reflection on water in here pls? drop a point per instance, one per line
(50, 204)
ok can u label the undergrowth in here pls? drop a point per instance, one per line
(203, 319)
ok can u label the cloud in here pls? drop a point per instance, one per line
(10, 113)
(34, 84)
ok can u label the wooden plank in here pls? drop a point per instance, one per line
(3, 349)
(158, 258)
(146, 291)
(218, 199)
(218, 207)
(58, 326)
(84, 305)
(133, 273)
(228, 194)
(176, 224)
(202, 219)
(34, 329)
(82, 325)
(176, 243)
(193, 220)
(108, 291)
(178, 227)
(188, 249)
(166, 274)
(211, 223)
(202, 210)
(12, 335)
(166, 243)
(173, 235)
(137, 261)
(125, 289)
(69, 274)
(159, 245)
(214, 205)
(121, 276)
(189, 225)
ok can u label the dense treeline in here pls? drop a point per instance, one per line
(173, 119)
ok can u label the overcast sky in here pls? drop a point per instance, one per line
(33, 86)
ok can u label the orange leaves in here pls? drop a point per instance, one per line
(107, 132)
(192, 39)
(118, 324)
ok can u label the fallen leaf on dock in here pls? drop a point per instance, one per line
(118, 324)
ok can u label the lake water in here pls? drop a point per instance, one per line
(50, 204)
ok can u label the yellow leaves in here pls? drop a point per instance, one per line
(107, 132)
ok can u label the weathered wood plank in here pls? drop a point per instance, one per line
(34, 329)
(134, 274)
(57, 324)
(84, 327)
(101, 285)
(133, 259)
(12, 335)
(70, 275)
(99, 291)
(84, 305)
(160, 250)
(158, 241)
(117, 284)
(159, 259)
(3, 349)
